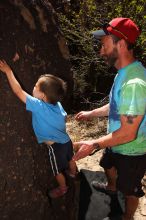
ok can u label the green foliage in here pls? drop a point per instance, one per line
(78, 20)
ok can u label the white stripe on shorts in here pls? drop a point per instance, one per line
(53, 160)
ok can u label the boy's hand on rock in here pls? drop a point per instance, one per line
(4, 67)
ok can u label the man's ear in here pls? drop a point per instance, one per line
(122, 43)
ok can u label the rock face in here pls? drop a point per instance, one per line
(31, 42)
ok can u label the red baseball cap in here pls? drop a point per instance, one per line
(123, 28)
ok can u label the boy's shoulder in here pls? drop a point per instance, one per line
(33, 103)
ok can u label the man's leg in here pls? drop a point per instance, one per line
(130, 170)
(107, 163)
(131, 204)
(111, 176)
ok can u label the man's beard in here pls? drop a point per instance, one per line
(111, 58)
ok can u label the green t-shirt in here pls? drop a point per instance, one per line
(128, 97)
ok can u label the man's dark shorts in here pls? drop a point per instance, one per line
(130, 171)
(60, 155)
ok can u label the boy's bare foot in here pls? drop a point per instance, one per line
(58, 192)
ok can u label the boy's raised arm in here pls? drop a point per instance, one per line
(17, 89)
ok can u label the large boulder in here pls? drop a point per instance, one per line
(31, 42)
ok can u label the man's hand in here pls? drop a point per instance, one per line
(4, 67)
(83, 115)
(84, 148)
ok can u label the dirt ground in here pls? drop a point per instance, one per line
(94, 129)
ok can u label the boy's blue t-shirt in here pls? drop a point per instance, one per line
(48, 120)
(128, 97)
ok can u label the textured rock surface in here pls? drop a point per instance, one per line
(30, 36)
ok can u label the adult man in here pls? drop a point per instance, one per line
(124, 159)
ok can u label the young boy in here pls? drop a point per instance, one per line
(48, 120)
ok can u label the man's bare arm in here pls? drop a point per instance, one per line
(102, 111)
(126, 133)
(98, 112)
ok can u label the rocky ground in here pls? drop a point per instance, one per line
(93, 129)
